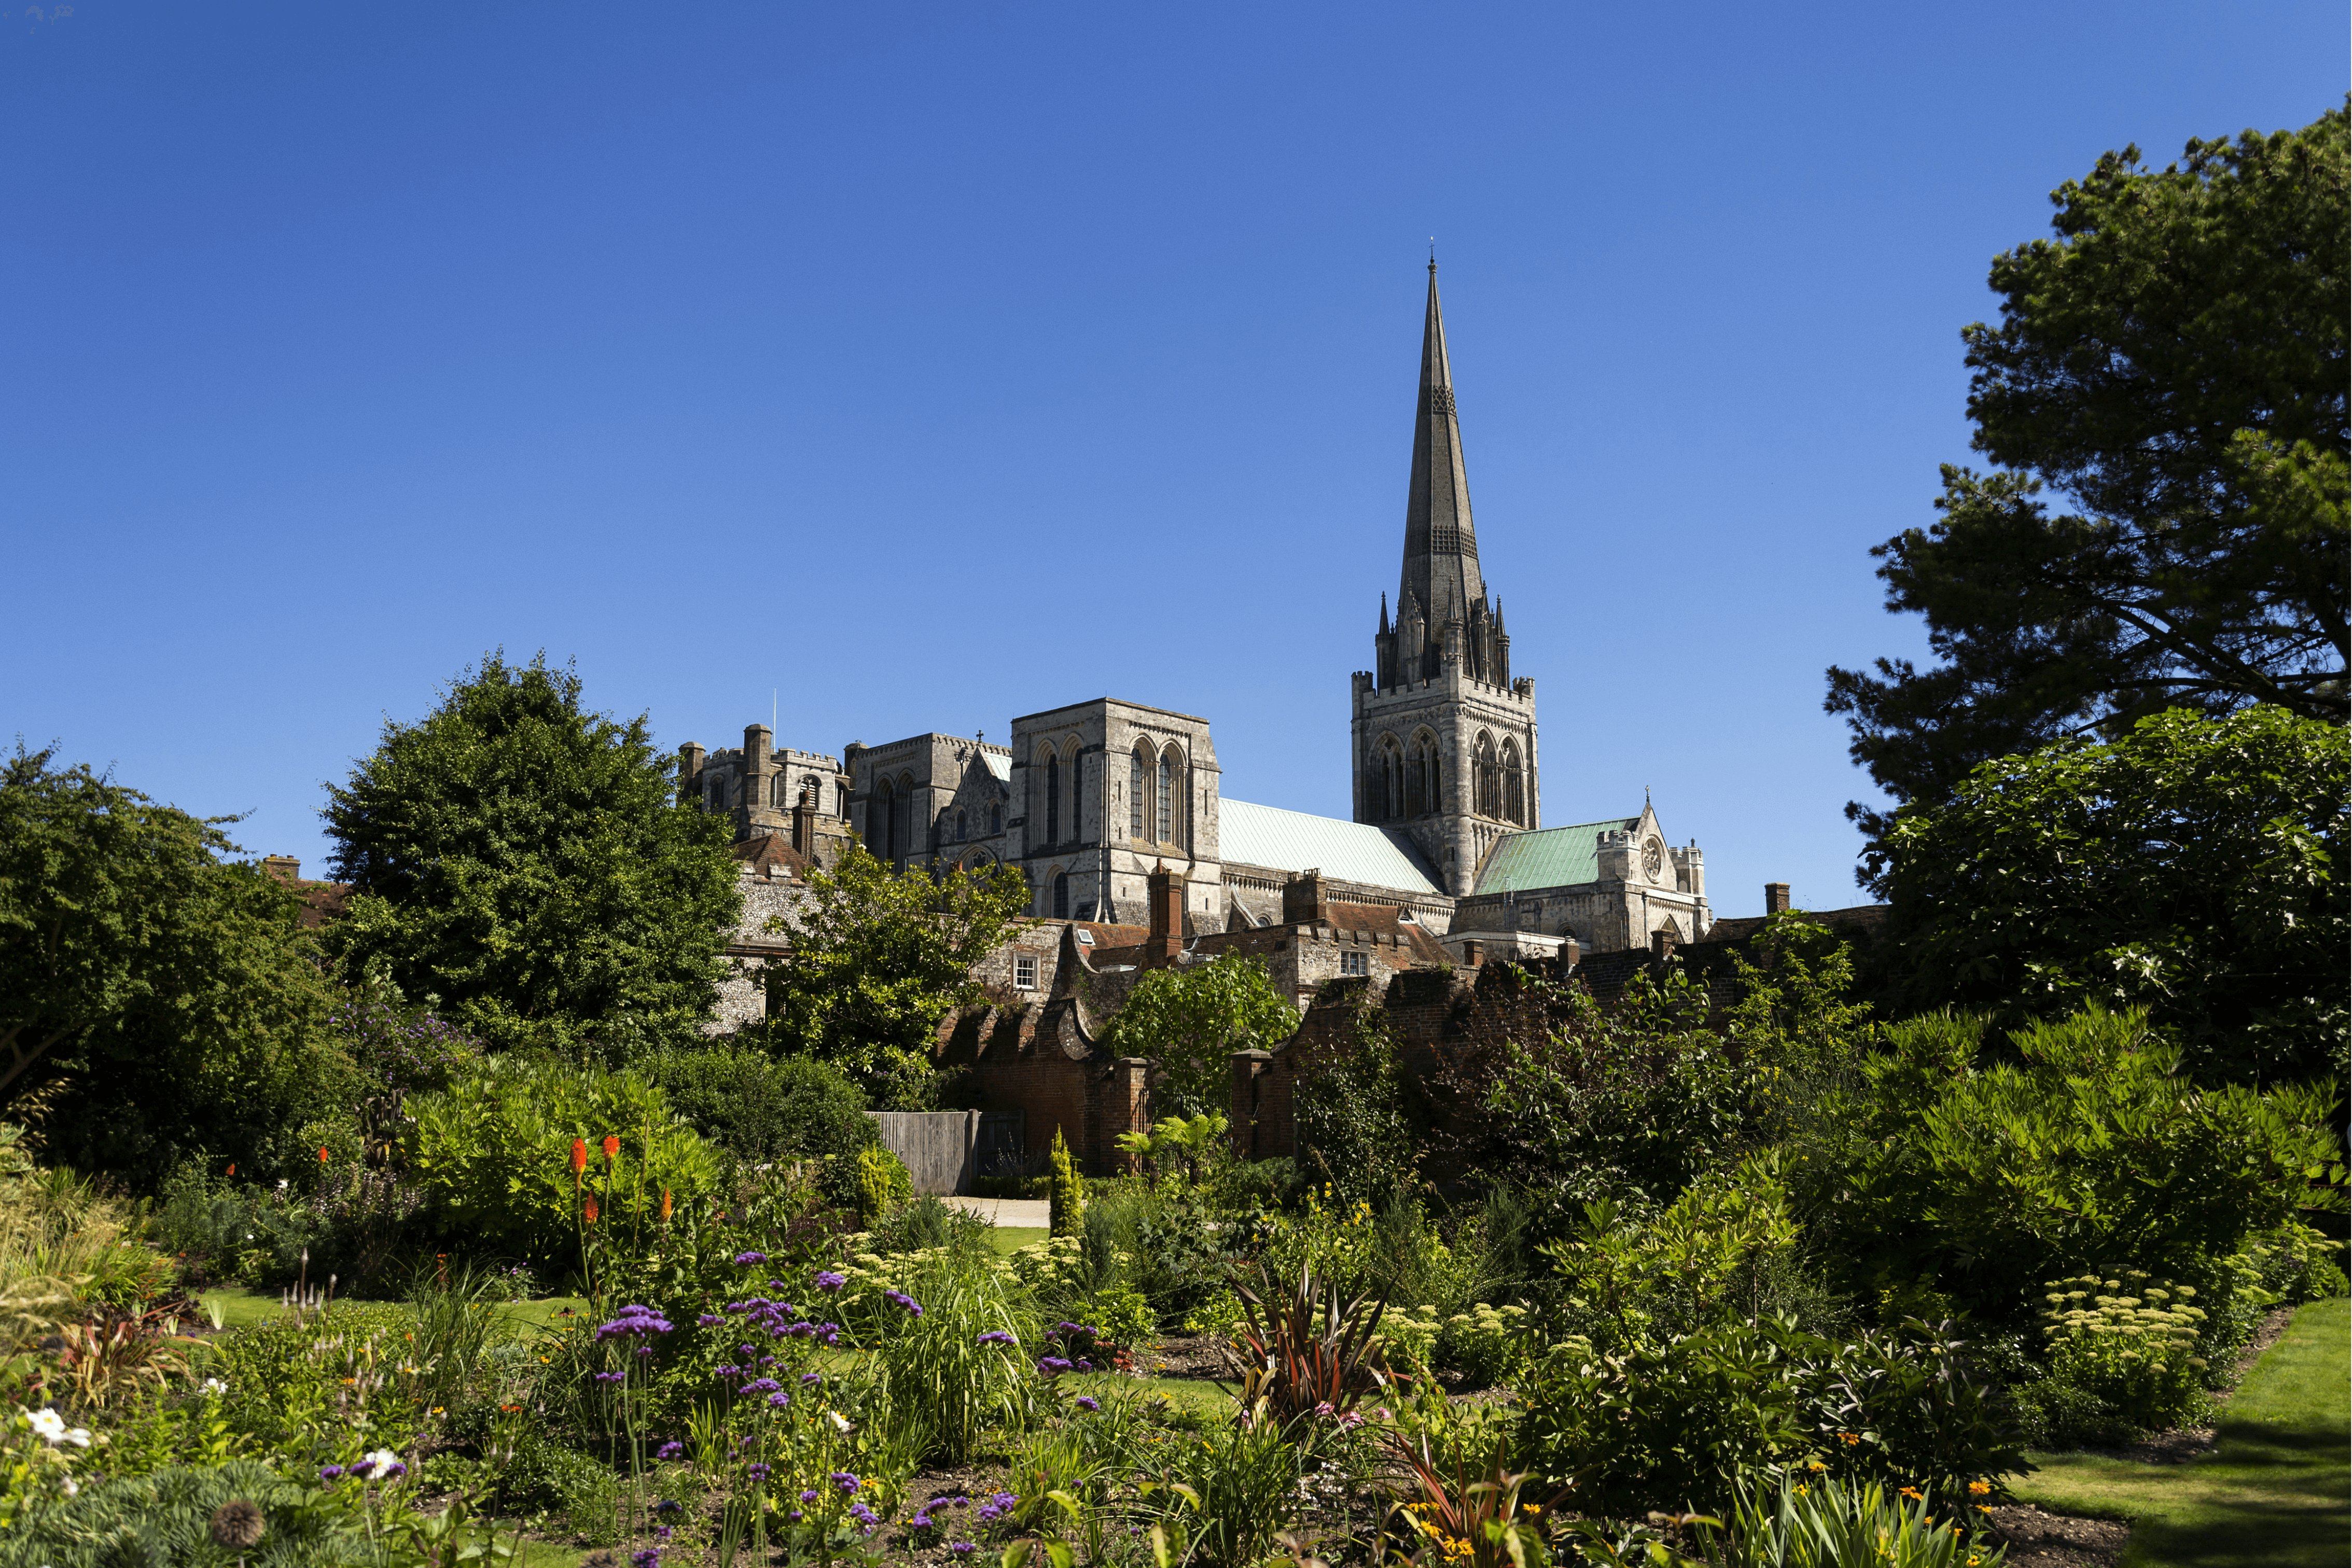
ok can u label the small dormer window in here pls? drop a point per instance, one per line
(1085, 938)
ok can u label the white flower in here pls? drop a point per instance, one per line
(838, 1424)
(78, 1437)
(214, 1385)
(382, 1460)
(48, 1424)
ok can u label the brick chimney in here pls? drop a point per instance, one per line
(1776, 898)
(1662, 945)
(285, 868)
(1306, 899)
(1166, 901)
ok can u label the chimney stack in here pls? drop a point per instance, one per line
(1307, 900)
(285, 868)
(1166, 901)
(1776, 898)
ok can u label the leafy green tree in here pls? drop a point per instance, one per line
(172, 997)
(1793, 1011)
(877, 958)
(2172, 368)
(760, 1109)
(1190, 1022)
(1355, 1131)
(523, 861)
(2195, 867)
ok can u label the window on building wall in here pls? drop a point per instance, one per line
(1061, 896)
(1390, 803)
(1053, 798)
(1354, 962)
(1077, 794)
(1488, 776)
(882, 820)
(1138, 769)
(1168, 802)
(996, 817)
(1024, 972)
(1515, 789)
(959, 827)
(1421, 791)
(841, 801)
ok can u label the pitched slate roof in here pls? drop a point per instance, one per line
(1347, 851)
(1553, 857)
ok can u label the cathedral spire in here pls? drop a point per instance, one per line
(1440, 549)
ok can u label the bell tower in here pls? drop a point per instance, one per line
(1444, 738)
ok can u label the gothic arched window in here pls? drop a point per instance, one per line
(1053, 798)
(1168, 800)
(1061, 896)
(1486, 776)
(1421, 796)
(1389, 804)
(1515, 789)
(1138, 769)
(996, 818)
(959, 827)
(882, 820)
(1077, 790)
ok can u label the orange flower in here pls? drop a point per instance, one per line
(591, 1210)
(612, 1148)
(664, 1206)
(578, 1156)
(232, 1167)
(322, 1153)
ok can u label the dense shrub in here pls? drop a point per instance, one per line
(495, 1157)
(1355, 1131)
(1954, 1178)
(760, 1109)
(1690, 1420)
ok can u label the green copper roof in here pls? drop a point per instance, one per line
(1553, 857)
(1295, 842)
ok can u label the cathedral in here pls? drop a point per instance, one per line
(1089, 800)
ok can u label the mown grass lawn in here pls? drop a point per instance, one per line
(1010, 1238)
(2273, 1493)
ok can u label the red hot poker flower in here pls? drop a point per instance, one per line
(578, 1156)
(612, 1148)
(591, 1210)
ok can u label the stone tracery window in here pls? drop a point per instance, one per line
(1167, 821)
(1053, 797)
(1514, 790)
(1389, 805)
(1422, 794)
(882, 822)
(1486, 777)
(1138, 769)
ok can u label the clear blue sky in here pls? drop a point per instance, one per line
(937, 363)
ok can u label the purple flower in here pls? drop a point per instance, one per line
(811, 1379)
(829, 1282)
(649, 1558)
(962, 1548)
(778, 1401)
(670, 1451)
(331, 1473)
(1088, 1404)
(847, 1482)
(995, 1336)
(612, 1377)
(709, 1319)
(759, 1472)
(1052, 1366)
(808, 1497)
(360, 1467)
(794, 1516)
(1082, 1363)
(906, 1300)
(761, 1385)
(750, 1257)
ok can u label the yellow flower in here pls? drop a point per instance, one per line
(1979, 1488)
